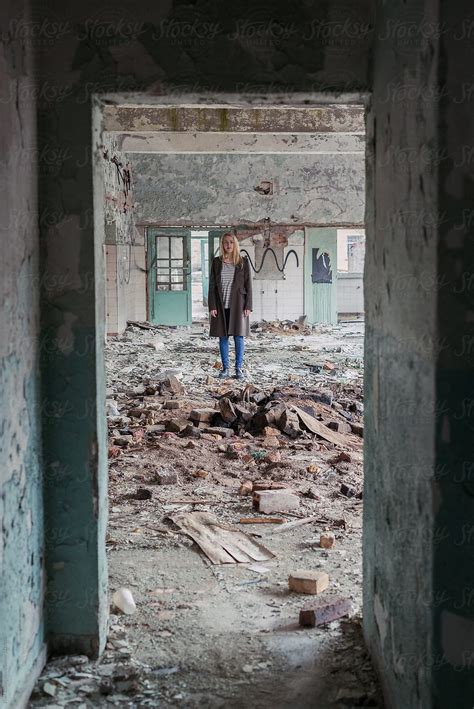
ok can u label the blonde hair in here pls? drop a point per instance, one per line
(236, 257)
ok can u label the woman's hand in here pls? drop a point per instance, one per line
(247, 312)
(213, 313)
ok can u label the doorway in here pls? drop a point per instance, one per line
(169, 276)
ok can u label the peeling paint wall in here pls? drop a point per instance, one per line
(22, 582)
(400, 353)
(220, 189)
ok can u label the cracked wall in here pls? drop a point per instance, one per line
(217, 190)
(21, 477)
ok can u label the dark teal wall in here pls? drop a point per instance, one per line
(22, 581)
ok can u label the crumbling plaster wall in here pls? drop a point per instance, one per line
(220, 189)
(22, 582)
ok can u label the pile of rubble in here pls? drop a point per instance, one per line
(285, 327)
(272, 418)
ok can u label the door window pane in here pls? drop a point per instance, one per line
(163, 247)
(170, 263)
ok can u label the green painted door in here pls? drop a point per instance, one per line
(169, 276)
(321, 275)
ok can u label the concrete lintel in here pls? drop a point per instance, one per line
(256, 226)
(332, 118)
(254, 143)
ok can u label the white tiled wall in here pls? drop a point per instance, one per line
(280, 299)
(350, 293)
(126, 286)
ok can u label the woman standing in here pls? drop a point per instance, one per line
(230, 302)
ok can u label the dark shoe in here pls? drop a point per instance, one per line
(239, 374)
(223, 374)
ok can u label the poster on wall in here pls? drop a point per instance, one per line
(321, 270)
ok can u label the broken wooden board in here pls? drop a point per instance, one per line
(222, 543)
(318, 427)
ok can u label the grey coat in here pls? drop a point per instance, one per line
(240, 300)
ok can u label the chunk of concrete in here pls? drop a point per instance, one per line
(269, 501)
(310, 582)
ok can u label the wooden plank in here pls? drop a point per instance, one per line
(261, 520)
(222, 543)
(318, 427)
(296, 523)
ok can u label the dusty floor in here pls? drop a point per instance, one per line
(227, 636)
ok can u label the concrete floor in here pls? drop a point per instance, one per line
(226, 636)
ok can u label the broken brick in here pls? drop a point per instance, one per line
(172, 404)
(324, 611)
(271, 442)
(191, 430)
(327, 540)
(166, 477)
(137, 412)
(348, 491)
(176, 425)
(310, 582)
(358, 429)
(289, 423)
(246, 488)
(270, 431)
(171, 384)
(268, 485)
(123, 440)
(339, 426)
(329, 366)
(220, 431)
(269, 501)
(200, 473)
(143, 493)
(227, 410)
(202, 415)
(341, 457)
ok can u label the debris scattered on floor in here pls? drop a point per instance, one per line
(276, 459)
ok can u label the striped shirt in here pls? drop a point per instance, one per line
(227, 277)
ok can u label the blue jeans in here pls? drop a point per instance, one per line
(239, 344)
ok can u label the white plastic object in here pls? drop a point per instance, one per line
(123, 599)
